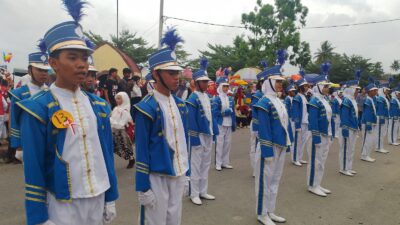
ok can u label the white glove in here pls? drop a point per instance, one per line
(19, 155)
(147, 198)
(48, 222)
(269, 159)
(186, 188)
(110, 212)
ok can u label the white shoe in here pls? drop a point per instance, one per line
(207, 197)
(395, 144)
(347, 173)
(317, 191)
(227, 167)
(265, 220)
(296, 163)
(218, 168)
(327, 191)
(382, 151)
(368, 159)
(276, 218)
(196, 201)
(352, 171)
(303, 162)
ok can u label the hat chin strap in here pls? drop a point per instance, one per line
(162, 81)
(272, 86)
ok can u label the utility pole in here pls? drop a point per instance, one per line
(117, 20)
(161, 23)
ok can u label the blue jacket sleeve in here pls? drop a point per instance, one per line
(345, 113)
(33, 143)
(367, 112)
(142, 124)
(15, 134)
(193, 126)
(313, 115)
(296, 113)
(112, 193)
(264, 132)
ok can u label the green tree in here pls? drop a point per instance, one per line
(325, 52)
(95, 38)
(134, 46)
(395, 66)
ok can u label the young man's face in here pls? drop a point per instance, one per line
(292, 93)
(114, 74)
(170, 78)
(202, 85)
(39, 75)
(71, 65)
(373, 93)
(325, 90)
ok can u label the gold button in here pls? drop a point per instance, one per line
(84, 135)
(88, 170)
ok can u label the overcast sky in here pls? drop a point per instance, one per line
(26, 21)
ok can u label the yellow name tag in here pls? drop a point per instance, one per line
(62, 119)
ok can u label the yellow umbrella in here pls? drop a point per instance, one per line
(241, 82)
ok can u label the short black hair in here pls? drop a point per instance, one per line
(55, 54)
(126, 70)
(112, 70)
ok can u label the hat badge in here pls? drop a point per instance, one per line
(43, 58)
(173, 55)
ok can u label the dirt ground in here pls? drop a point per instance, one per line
(372, 197)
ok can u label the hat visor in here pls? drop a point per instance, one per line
(292, 89)
(40, 66)
(170, 67)
(79, 47)
(303, 83)
(325, 83)
(276, 77)
(224, 84)
(92, 68)
(373, 89)
(203, 78)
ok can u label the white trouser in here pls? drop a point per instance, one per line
(293, 126)
(393, 130)
(381, 132)
(369, 140)
(317, 155)
(338, 130)
(268, 175)
(302, 137)
(88, 211)
(200, 164)
(253, 147)
(223, 148)
(168, 192)
(346, 151)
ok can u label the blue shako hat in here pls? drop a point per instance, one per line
(274, 72)
(201, 74)
(264, 66)
(302, 80)
(67, 35)
(165, 58)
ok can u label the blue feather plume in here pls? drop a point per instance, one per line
(390, 81)
(325, 68)
(358, 74)
(264, 64)
(75, 8)
(281, 56)
(203, 63)
(171, 38)
(226, 72)
(302, 72)
(42, 46)
(371, 80)
(89, 43)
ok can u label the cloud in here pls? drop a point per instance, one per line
(25, 21)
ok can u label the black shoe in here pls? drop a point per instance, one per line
(131, 164)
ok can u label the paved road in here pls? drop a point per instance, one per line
(372, 197)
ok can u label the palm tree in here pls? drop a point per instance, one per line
(395, 66)
(325, 52)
